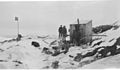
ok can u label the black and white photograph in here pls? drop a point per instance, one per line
(67, 34)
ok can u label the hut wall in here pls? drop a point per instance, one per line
(88, 31)
(85, 32)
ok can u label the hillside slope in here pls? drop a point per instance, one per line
(108, 62)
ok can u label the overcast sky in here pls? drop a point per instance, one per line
(46, 17)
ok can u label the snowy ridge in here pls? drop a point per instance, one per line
(3, 38)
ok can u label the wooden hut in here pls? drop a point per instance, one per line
(81, 33)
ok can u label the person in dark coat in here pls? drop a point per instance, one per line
(64, 31)
(60, 31)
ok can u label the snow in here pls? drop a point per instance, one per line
(4, 38)
(30, 56)
(74, 50)
(108, 62)
(23, 55)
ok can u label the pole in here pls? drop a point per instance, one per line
(78, 24)
(18, 27)
(16, 19)
(78, 32)
(78, 20)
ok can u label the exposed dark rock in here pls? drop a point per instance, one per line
(3, 60)
(46, 51)
(98, 43)
(19, 62)
(53, 43)
(65, 46)
(55, 65)
(71, 56)
(56, 53)
(29, 38)
(78, 57)
(118, 41)
(111, 40)
(1, 50)
(110, 49)
(91, 53)
(102, 28)
(55, 48)
(35, 44)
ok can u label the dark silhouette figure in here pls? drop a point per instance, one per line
(64, 31)
(60, 31)
(19, 37)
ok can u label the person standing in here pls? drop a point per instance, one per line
(64, 31)
(60, 31)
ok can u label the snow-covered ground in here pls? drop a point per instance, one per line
(4, 38)
(105, 63)
(24, 55)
